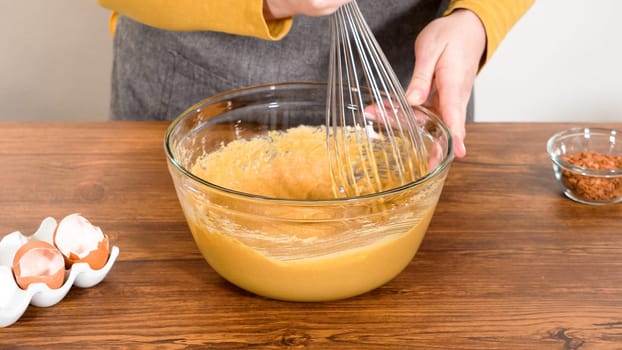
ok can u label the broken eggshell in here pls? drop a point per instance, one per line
(38, 262)
(80, 241)
(14, 301)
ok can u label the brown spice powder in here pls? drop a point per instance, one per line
(590, 187)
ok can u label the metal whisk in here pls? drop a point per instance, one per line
(373, 138)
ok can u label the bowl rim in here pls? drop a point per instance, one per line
(577, 131)
(273, 86)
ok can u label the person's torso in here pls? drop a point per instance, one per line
(195, 65)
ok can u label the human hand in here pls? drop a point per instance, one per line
(448, 52)
(275, 9)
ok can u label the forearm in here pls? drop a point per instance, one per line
(242, 17)
(497, 16)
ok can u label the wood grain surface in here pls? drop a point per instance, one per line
(507, 262)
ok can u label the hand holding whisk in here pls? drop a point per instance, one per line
(373, 138)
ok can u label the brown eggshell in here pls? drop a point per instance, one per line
(29, 260)
(75, 236)
(96, 259)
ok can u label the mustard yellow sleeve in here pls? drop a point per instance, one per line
(242, 17)
(498, 17)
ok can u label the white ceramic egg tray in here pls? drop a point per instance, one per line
(14, 300)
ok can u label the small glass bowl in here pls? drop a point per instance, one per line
(587, 163)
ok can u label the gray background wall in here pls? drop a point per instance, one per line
(55, 60)
(561, 62)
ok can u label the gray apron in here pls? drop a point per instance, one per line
(157, 74)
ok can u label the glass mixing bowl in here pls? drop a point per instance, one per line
(295, 249)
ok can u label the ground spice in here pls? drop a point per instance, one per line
(593, 188)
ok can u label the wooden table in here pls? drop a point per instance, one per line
(507, 263)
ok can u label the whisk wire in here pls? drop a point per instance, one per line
(396, 98)
(336, 116)
(367, 150)
(359, 121)
(374, 69)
